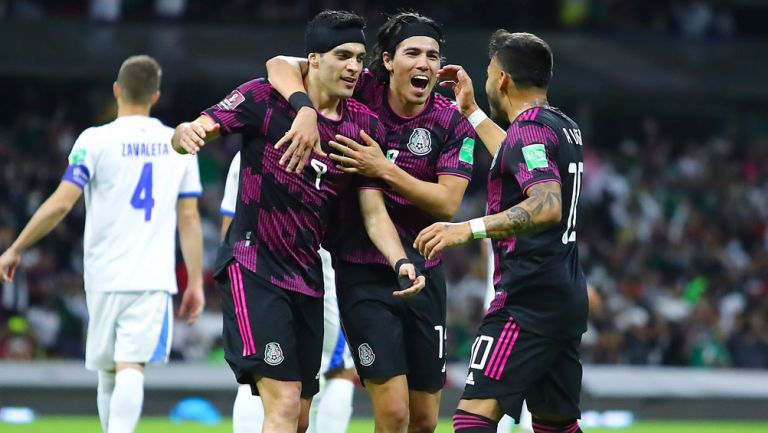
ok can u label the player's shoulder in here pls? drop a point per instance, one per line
(358, 109)
(442, 103)
(257, 89)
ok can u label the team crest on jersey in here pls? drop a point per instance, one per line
(273, 354)
(231, 101)
(366, 354)
(420, 142)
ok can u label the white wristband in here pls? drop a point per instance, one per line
(476, 117)
(477, 226)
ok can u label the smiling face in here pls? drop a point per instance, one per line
(413, 69)
(339, 69)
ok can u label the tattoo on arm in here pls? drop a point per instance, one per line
(540, 210)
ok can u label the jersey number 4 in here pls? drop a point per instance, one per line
(577, 169)
(142, 195)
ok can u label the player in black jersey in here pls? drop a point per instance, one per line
(528, 343)
(268, 267)
(426, 162)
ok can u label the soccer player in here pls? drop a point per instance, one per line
(332, 406)
(269, 265)
(135, 187)
(398, 344)
(528, 343)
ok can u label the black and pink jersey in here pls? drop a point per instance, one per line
(537, 276)
(437, 141)
(281, 217)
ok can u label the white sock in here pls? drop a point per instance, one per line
(247, 412)
(335, 407)
(127, 399)
(104, 395)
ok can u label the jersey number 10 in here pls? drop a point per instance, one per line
(570, 231)
(142, 195)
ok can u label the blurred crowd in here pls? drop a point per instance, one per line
(673, 236)
(689, 18)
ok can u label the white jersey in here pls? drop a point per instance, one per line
(132, 180)
(228, 203)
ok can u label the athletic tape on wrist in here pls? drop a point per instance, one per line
(477, 117)
(477, 226)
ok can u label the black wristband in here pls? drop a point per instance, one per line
(401, 262)
(299, 100)
(404, 281)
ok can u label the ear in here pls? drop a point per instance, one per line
(387, 60)
(505, 82)
(154, 99)
(116, 90)
(314, 60)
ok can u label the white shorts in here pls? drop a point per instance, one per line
(133, 327)
(335, 351)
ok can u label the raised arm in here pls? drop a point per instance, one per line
(191, 243)
(286, 74)
(487, 130)
(542, 209)
(190, 137)
(45, 219)
(384, 236)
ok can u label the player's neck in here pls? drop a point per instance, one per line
(401, 106)
(131, 110)
(524, 100)
(324, 103)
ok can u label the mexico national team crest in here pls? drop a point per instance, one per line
(366, 354)
(273, 354)
(420, 142)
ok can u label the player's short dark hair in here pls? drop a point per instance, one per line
(139, 79)
(524, 56)
(333, 19)
(389, 30)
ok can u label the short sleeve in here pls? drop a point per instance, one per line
(190, 183)
(243, 109)
(531, 155)
(82, 160)
(229, 201)
(457, 156)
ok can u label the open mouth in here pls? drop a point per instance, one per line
(420, 81)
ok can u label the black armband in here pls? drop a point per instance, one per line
(298, 100)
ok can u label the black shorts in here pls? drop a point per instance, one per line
(389, 336)
(510, 364)
(269, 331)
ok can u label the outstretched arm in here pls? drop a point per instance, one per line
(541, 209)
(191, 243)
(45, 219)
(384, 235)
(456, 78)
(286, 74)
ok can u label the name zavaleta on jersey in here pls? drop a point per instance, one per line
(132, 180)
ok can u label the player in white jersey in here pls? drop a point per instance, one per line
(135, 187)
(331, 408)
